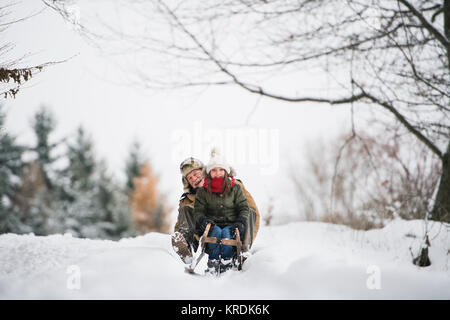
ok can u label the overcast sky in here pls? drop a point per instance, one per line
(170, 125)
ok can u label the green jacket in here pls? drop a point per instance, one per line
(222, 209)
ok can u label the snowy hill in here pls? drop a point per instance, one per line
(301, 260)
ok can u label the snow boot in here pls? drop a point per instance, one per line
(181, 247)
(214, 266)
(225, 265)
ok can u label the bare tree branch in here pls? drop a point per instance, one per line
(439, 36)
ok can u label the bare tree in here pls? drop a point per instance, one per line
(376, 179)
(391, 57)
(11, 75)
(397, 54)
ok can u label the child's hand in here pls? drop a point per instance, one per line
(240, 226)
(203, 222)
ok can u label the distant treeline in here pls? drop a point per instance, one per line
(60, 186)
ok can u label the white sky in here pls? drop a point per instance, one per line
(84, 90)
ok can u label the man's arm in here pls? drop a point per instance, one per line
(248, 196)
(186, 199)
(241, 204)
(252, 205)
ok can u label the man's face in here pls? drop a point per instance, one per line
(195, 178)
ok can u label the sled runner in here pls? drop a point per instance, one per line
(201, 257)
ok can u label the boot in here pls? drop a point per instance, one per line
(225, 265)
(214, 266)
(181, 247)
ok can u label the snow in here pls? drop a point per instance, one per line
(301, 260)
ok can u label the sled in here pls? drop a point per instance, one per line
(204, 239)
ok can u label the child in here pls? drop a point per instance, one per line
(220, 202)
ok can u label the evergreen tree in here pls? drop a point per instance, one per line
(10, 171)
(133, 165)
(80, 212)
(36, 198)
(43, 124)
(94, 207)
(113, 203)
(81, 161)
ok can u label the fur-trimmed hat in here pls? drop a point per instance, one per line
(186, 167)
(218, 161)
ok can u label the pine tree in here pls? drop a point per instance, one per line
(113, 202)
(133, 164)
(80, 210)
(81, 161)
(10, 170)
(43, 124)
(94, 207)
(36, 198)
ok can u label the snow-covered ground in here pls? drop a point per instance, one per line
(301, 260)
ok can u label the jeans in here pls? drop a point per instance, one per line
(213, 249)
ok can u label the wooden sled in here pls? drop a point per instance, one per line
(204, 239)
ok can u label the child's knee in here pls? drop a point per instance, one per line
(215, 231)
(226, 232)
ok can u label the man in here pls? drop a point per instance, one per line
(193, 175)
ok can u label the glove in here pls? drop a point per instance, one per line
(241, 226)
(202, 223)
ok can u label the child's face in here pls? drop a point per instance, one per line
(217, 173)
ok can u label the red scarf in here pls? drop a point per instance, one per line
(217, 184)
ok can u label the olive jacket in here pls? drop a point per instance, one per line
(223, 209)
(188, 199)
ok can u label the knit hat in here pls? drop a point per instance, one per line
(186, 167)
(218, 161)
